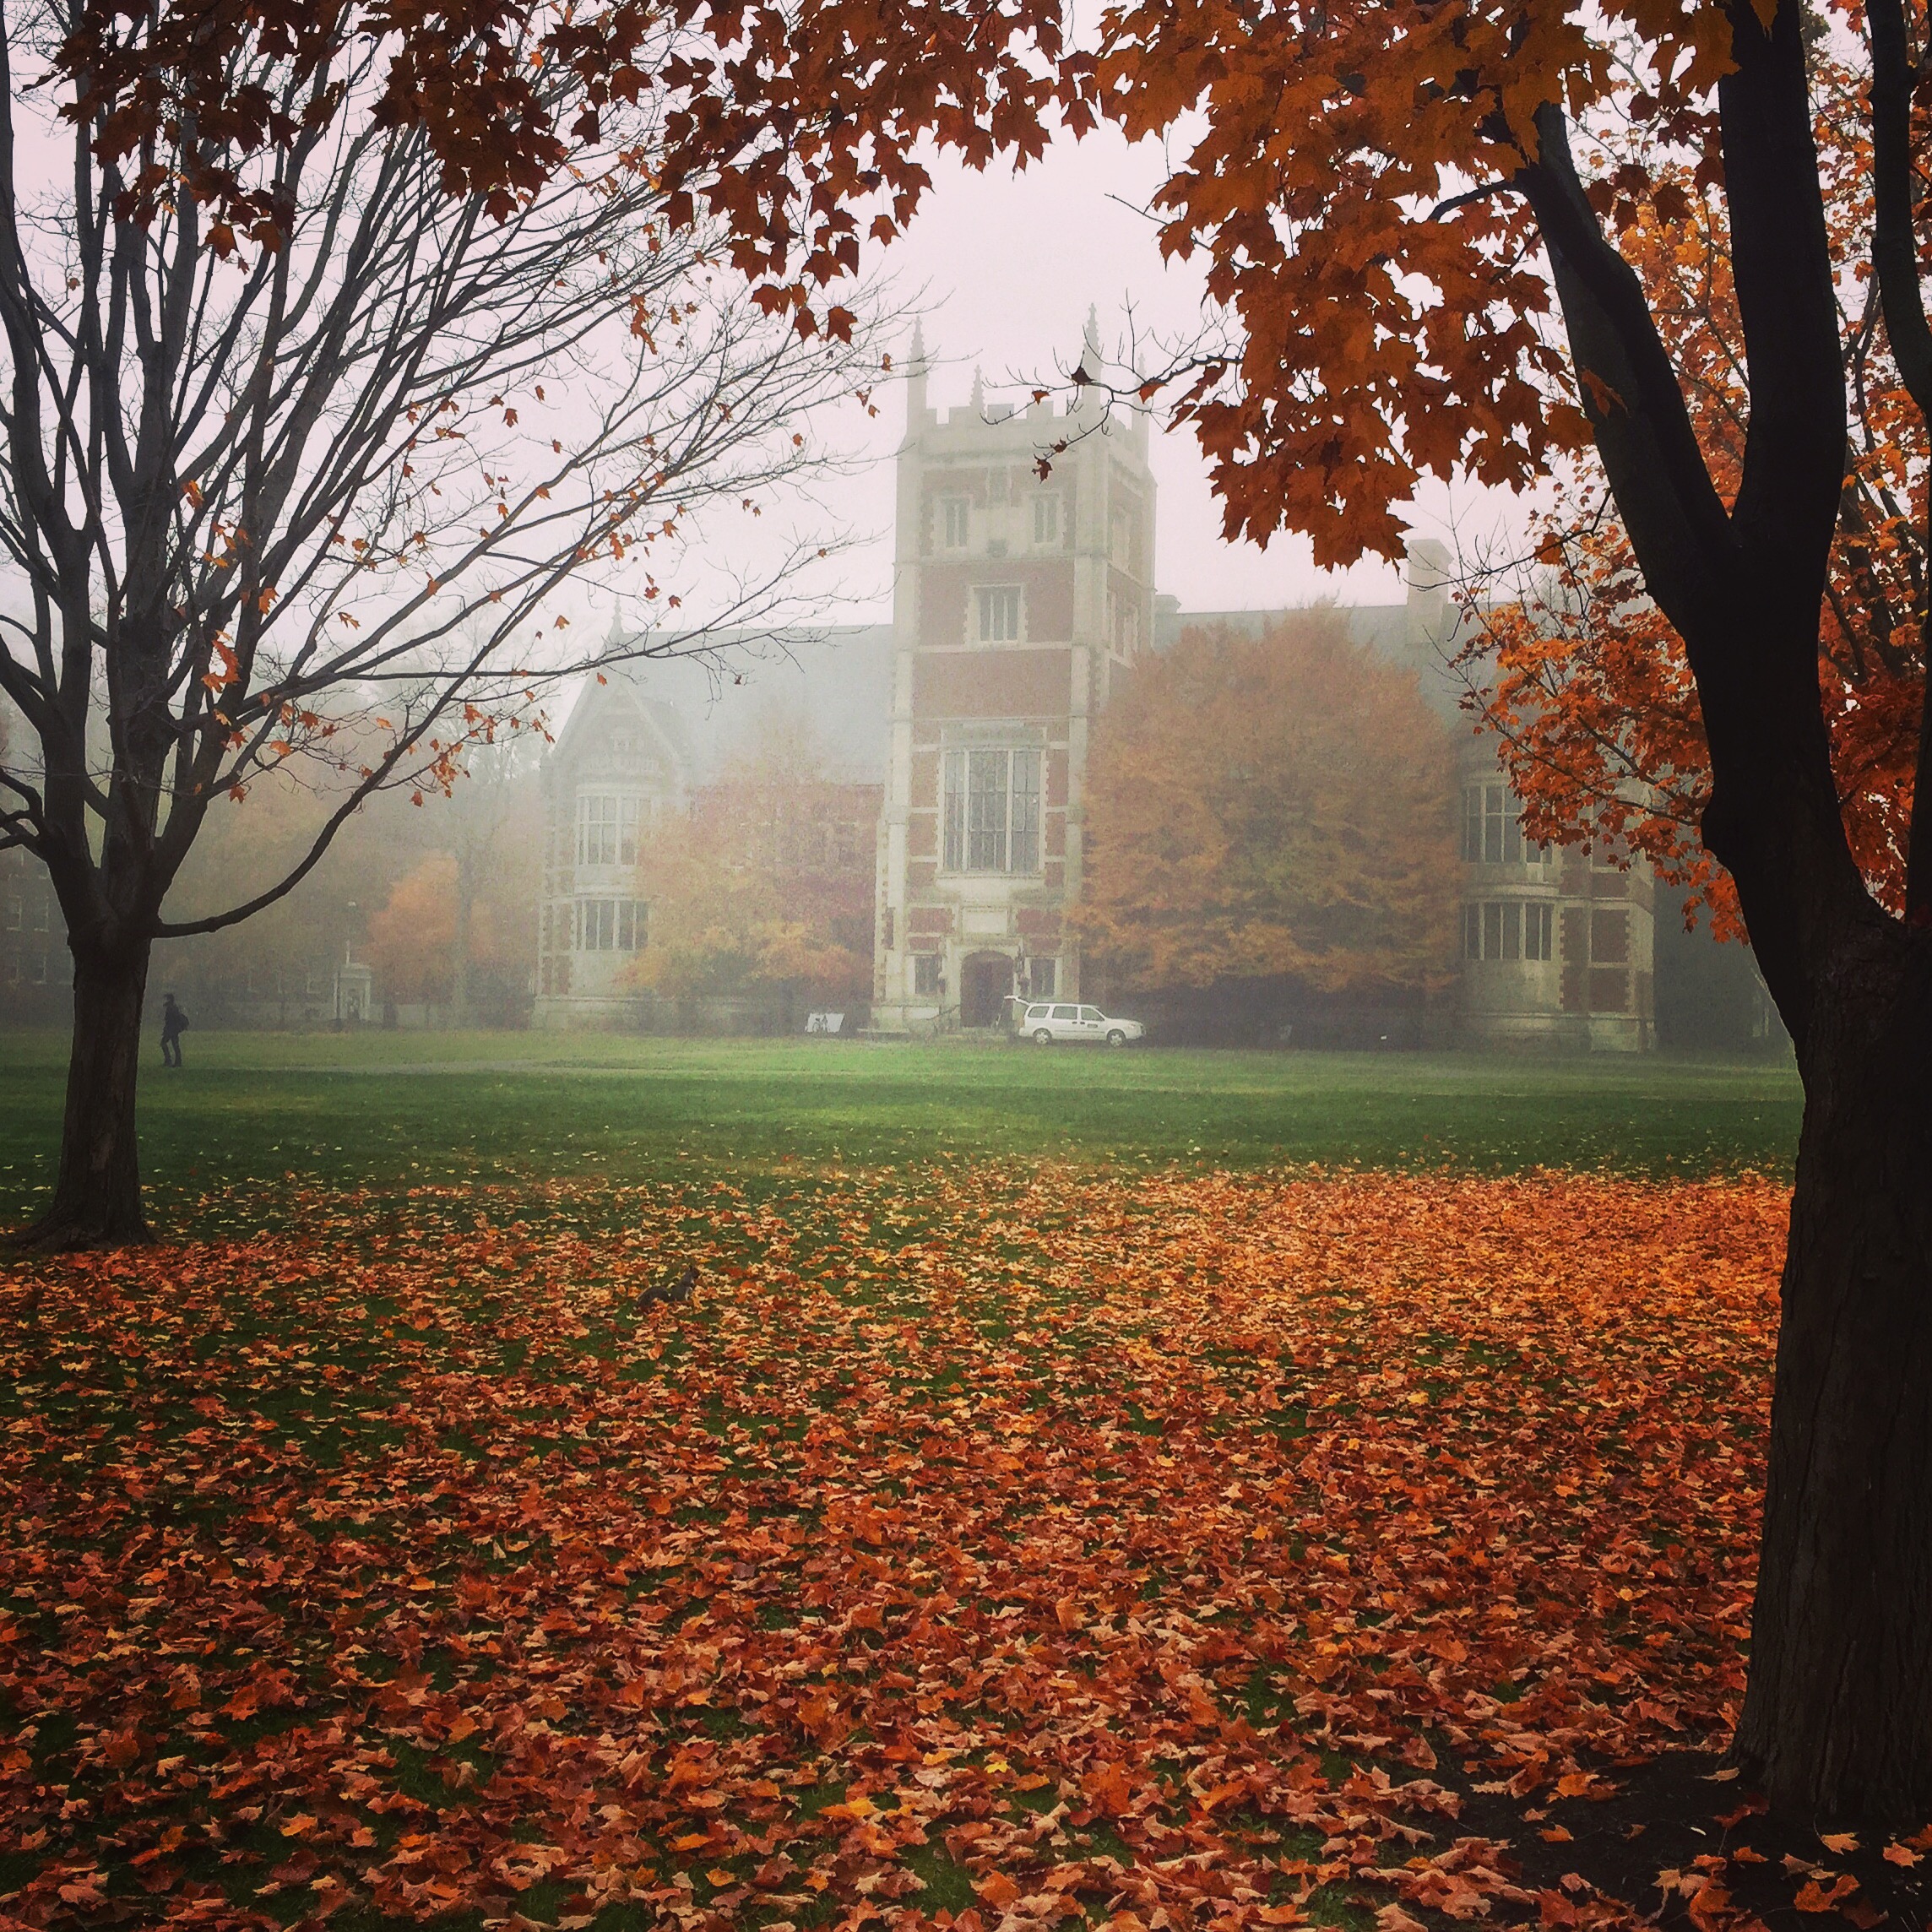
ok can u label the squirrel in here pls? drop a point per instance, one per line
(674, 1294)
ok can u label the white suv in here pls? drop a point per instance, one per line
(1045, 1024)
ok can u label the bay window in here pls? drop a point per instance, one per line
(607, 829)
(1508, 929)
(1492, 830)
(610, 925)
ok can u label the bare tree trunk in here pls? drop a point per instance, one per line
(1837, 1719)
(97, 1195)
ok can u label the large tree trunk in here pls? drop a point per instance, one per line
(1837, 1718)
(97, 1197)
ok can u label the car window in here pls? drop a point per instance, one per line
(1066, 1012)
(1039, 1012)
(1091, 1015)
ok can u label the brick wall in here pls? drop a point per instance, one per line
(1007, 683)
(946, 610)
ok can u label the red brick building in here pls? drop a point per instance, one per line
(1020, 600)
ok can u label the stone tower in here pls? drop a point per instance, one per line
(1020, 601)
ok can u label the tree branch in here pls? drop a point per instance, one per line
(1781, 267)
(1894, 247)
(1474, 195)
(1630, 391)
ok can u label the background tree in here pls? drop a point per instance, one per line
(1270, 807)
(765, 888)
(279, 965)
(720, 930)
(440, 938)
(412, 937)
(299, 443)
(494, 816)
(277, 968)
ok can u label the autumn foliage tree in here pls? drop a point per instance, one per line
(423, 947)
(279, 961)
(765, 887)
(1583, 677)
(1407, 246)
(412, 935)
(1276, 807)
(720, 930)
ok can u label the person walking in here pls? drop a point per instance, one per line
(174, 1024)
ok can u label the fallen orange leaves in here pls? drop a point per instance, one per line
(978, 1550)
(1815, 1897)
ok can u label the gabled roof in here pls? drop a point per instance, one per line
(596, 703)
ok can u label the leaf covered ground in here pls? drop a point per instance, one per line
(978, 1548)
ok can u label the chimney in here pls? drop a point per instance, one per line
(1430, 573)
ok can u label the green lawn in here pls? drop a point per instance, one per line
(387, 1109)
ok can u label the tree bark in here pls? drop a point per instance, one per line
(97, 1195)
(1838, 1718)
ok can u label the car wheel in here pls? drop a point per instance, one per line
(1043, 1038)
(1116, 1037)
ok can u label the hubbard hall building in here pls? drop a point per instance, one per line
(1021, 600)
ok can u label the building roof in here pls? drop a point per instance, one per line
(592, 701)
(839, 678)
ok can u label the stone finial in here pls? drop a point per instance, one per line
(917, 367)
(1091, 363)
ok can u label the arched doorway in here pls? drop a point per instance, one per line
(985, 980)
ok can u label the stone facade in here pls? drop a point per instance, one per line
(1557, 946)
(1019, 601)
(618, 767)
(37, 971)
(623, 766)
